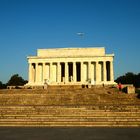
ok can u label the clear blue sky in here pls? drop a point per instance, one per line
(26, 25)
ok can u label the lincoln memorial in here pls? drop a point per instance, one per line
(71, 66)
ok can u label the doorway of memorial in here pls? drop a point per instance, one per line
(70, 72)
(108, 70)
(62, 72)
(78, 71)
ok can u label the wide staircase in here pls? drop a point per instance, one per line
(69, 107)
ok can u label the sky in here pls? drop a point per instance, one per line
(28, 25)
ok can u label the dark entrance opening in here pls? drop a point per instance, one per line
(78, 72)
(108, 70)
(34, 71)
(70, 71)
(62, 71)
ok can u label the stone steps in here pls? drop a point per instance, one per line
(67, 118)
(113, 114)
(69, 110)
(66, 110)
(51, 116)
(65, 99)
(68, 124)
(97, 107)
(71, 120)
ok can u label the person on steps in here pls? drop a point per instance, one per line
(120, 87)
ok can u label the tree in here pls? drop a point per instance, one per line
(2, 86)
(129, 78)
(16, 80)
(137, 82)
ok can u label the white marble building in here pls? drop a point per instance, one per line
(71, 66)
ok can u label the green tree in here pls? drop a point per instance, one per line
(2, 86)
(16, 80)
(137, 82)
(129, 78)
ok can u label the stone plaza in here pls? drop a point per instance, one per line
(71, 66)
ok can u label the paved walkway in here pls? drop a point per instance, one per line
(69, 133)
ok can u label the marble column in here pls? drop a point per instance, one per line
(66, 72)
(97, 72)
(40, 74)
(44, 72)
(33, 72)
(36, 73)
(50, 72)
(82, 72)
(89, 70)
(30, 73)
(74, 71)
(104, 71)
(58, 73)
(111, 71)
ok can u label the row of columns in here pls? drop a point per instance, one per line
(38, 72)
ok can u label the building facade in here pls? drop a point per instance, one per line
(71, 66)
